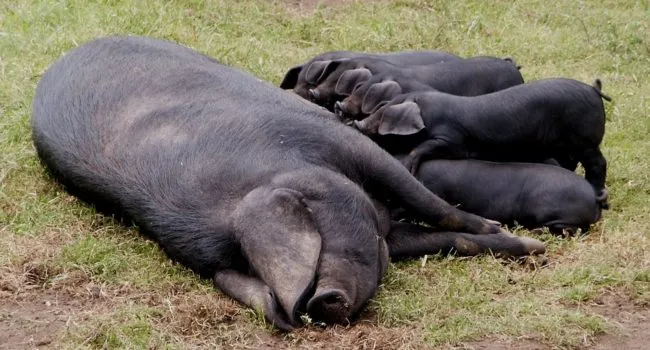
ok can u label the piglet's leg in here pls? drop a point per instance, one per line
(410, 240)
(433, 148)
(567, 162)
(253, 293)
(595, 172)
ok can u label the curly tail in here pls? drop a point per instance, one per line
(598, 86)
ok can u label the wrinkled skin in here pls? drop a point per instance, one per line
(235, 178)
(532, 195)
(297, 77)
(558, 118)
(469, 77)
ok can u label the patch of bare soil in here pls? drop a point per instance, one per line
(358, 336)
(633, 323)
(631, 329)
(38, 320)
(195, 316)
(504, 344)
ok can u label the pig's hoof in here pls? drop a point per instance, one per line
(532, 246)
(602, 198)
(494, 222)
(330, 307)
(410, 164)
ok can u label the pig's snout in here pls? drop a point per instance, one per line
(330, 306)
(314, 95)
(340, 109)
(359, 125)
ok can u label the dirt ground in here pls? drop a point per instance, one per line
(632, 331)
(38, 319)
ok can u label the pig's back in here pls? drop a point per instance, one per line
(161, 133)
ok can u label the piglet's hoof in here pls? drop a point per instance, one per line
(532, 246)
(411, 163)
(494, 222)
(602, 198)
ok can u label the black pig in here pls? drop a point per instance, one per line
(558, 118)
(532, 195)
(235, 178)
(470, 77)
(473, 76)
(302, 78)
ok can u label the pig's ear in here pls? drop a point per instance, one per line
(280, 242)
(379, 93)
(512, 60)
(317, 71)
(401, 119)
(291, 78)
(350, 79)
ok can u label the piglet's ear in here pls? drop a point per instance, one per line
(512, 60)
(349, 79)
(317, 71)
(401, 119)
(291, 78)
(378, 93)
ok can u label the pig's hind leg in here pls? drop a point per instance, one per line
(595, 173)
(410, 240)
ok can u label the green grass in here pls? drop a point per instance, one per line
(50, 240)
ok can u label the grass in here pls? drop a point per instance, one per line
(51, 243)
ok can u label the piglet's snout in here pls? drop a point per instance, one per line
(314, 95)
(340, 109)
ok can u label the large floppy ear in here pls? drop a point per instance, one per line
(351, 78)
(291, 78)
(378, 93)
(280, 242)
(401, 119)
(319, 70)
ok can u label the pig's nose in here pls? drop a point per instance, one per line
(332, 306)
(339, 109)
(314, 94)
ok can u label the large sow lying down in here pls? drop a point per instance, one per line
(240, 181)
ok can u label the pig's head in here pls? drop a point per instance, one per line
(367, 97)
(401, 116)
(306, 80)
(325, 82)
(317, 245)
(336, 80)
